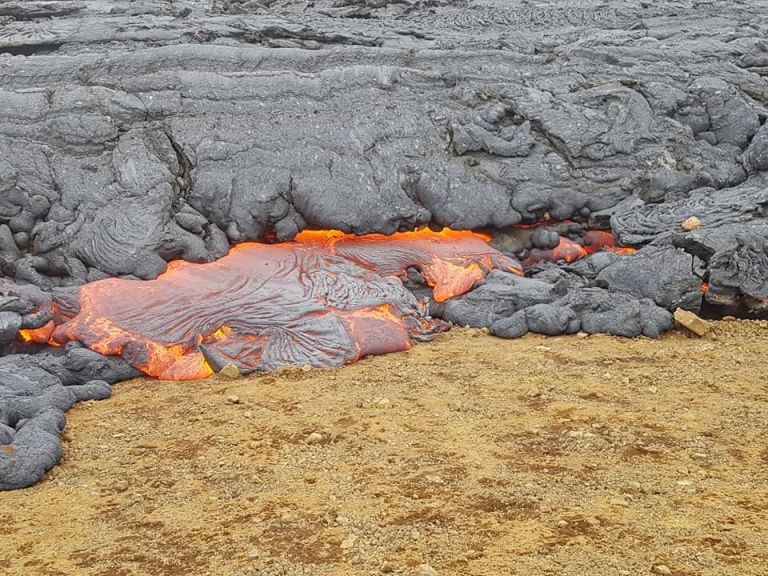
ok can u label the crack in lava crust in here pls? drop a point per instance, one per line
(326, 299)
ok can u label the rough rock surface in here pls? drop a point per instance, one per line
(512, 306)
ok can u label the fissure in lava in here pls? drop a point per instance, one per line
(325, 299)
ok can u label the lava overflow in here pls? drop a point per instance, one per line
(326, 299)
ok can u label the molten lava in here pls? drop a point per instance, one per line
(326, 299)
(570, 251)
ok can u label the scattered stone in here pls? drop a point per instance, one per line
(349, 542)
(232, 399)
(122, 486)
(426, 570)
(386, 567)
(230, 371)
(662, 569)
(691, 224)
(692, 322)
(253, 553)
(562, 523)
(314, 438)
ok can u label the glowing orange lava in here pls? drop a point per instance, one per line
(325, 299)
(569, 251)
(40, 335)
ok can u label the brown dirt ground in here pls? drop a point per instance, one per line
(476, 456)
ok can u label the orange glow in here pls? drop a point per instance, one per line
(40, 335)
(569, 251)
(704, 287)
(451, 261)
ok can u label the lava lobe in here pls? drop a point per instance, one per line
(323, 300)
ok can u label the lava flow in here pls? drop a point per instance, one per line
(323, 300)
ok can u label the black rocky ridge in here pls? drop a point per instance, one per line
(137, 132)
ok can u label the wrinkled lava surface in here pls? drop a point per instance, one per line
(326, 299)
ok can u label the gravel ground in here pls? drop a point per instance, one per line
(469, 455)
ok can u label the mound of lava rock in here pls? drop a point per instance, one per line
(617, 150)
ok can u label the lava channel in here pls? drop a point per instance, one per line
(326, 299)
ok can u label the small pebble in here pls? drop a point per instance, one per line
(386, 567)
(662, 569)
(232, 399)
(314, 438)
(230, 371)
(348, 542)
(426, 570)
(691, 223)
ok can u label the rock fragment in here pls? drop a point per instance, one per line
(691, 322)
(691, 223)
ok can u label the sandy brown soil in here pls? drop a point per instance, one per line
(466, 456)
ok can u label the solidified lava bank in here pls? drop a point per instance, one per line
(138, 133)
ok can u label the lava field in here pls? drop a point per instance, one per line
(333, 179)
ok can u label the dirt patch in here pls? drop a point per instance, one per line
(474, 455)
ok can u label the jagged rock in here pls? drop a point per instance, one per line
(714, 208)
